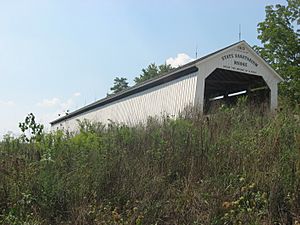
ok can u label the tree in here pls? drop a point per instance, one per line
(164, 68)
(120, 84)
(281, 45)
(33, 129)
(152, 71)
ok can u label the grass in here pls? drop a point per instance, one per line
(237, 166)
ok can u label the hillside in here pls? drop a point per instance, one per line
(237, 166)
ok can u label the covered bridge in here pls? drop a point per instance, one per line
(224, 74)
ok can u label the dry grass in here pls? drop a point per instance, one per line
(238, 166)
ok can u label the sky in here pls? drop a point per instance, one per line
(58, 55)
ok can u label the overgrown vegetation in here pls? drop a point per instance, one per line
(237, 166)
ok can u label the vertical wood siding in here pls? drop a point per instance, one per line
(165, 99)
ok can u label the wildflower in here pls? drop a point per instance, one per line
(226, 205)
(236, 202)
(243, 189)
(116, 216)
(138, 221)
(252, 185)
(264, 195)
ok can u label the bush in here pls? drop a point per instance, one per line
(236, 166)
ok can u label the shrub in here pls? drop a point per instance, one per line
(236, 166)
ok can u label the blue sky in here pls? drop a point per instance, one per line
(63, 54)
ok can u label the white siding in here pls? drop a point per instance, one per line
(169, 98)
(172, 97)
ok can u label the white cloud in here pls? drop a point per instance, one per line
(48, 103)
(179, 60)
(7, 103)
(51, 109)
(56, 103)
(67, 104)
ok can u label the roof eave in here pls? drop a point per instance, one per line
(188, 68)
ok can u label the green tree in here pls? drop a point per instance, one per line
(164, 68)
(152, 71)
(280, 37)
(120, 84)
(32, 131)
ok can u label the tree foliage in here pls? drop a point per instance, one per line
(120, 84)
(33, 129)
(152, 71)
(279, 34)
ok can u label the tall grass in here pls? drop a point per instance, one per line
(237, 166)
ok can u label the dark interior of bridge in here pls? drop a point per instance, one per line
(226, 87)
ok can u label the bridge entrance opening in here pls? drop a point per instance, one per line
(225, 87)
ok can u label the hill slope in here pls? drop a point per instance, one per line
(238, 166)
